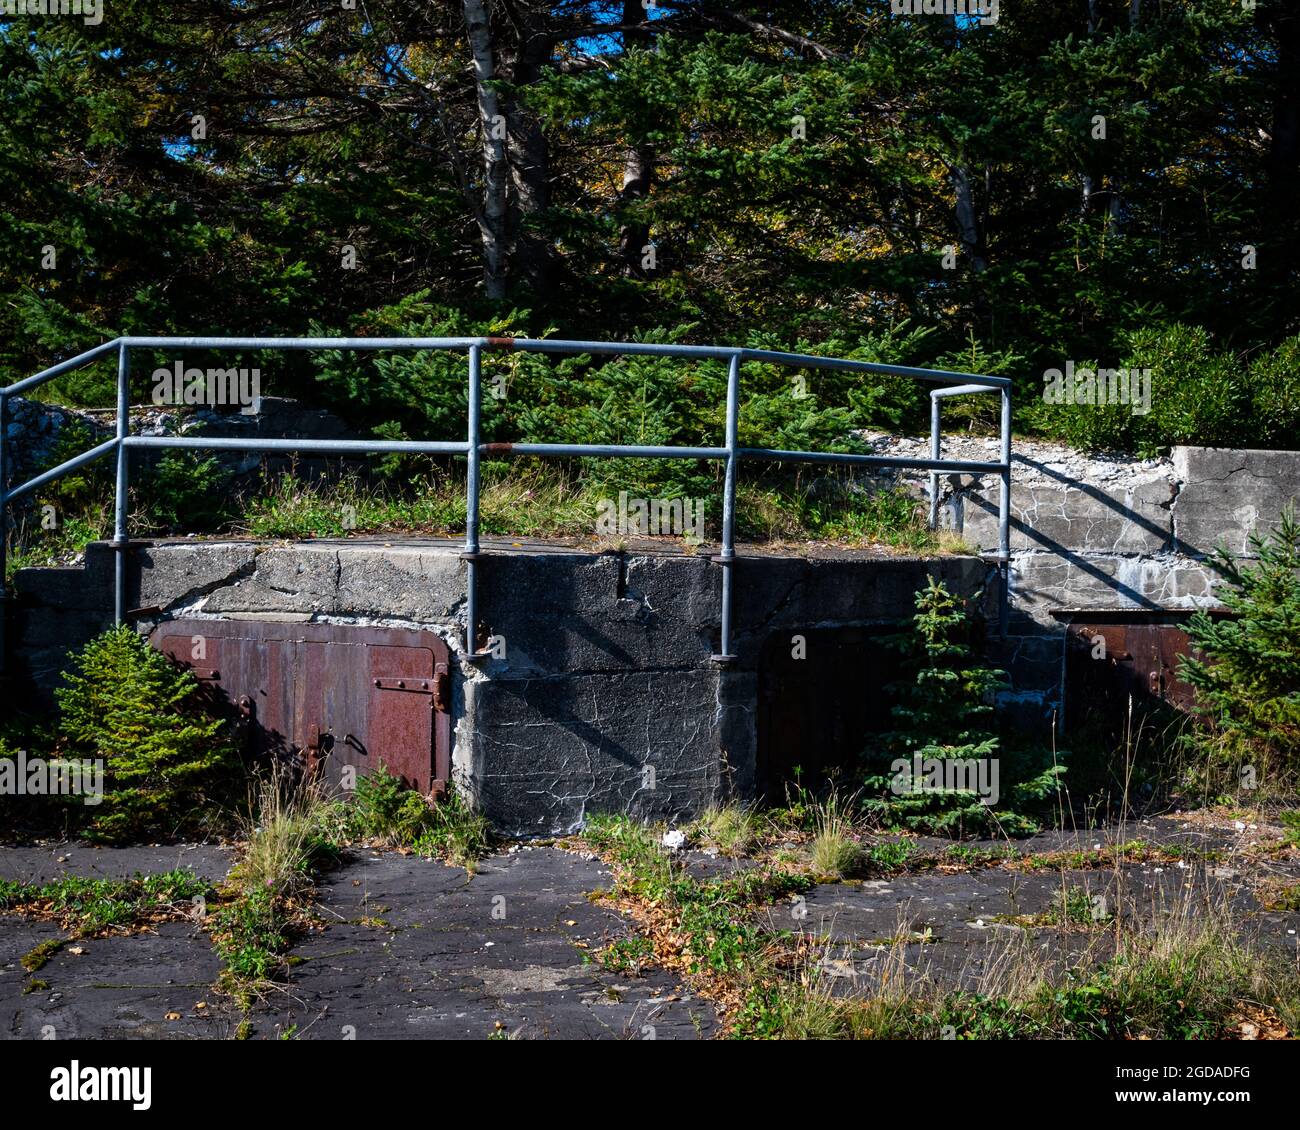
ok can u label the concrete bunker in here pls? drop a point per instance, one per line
(606, 682)
(598, 692)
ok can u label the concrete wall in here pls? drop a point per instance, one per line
(1105, 532)
(607, 665)
(607, 657)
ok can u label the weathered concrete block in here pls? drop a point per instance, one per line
(1041, 582)
(548, 582)
(174, 575)
(1130, 517)
(687, 588)
(61, 588)
(59, 627)
(546, 753)
(561, 614)
(738, 731)
(778, 593)
(101, 563)
(423, 585)
(1227, 495)
(303, 578)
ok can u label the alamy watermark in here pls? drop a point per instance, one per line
(90, 11)
(21, 775)
(1080, 385)
(211, 388)
(978, 775)
(651, 517)
(986, 11)
(76, 1083)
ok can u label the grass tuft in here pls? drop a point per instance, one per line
(731, 828)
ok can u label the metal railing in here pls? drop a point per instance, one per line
(473, 447)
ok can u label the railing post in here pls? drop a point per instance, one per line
(4, 527)
(1004, 515)
(471, 500)
(727, 558)
(934, 454)
(120, 542)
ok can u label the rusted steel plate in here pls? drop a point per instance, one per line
(401, 709)
(1114, 655)
(337, 696)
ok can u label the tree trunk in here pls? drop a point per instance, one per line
(634, 236)
(638, 164)
(967, 222)
(530, 159)
(492, 218)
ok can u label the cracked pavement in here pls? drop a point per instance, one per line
(407, 949)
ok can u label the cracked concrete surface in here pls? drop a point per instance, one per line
(407, 948)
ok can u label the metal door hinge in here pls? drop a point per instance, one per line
(442, 689)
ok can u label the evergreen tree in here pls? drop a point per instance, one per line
(1246, 668)
(131, 706)
(944, 720)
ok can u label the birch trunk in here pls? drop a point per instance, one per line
(492, 224)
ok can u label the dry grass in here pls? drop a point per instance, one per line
(280, 835)
(835, 852)
(951, 542)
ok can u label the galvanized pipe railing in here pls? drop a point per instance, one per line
(121, 539)
(727, 558)
(473, 448)
(1003, 469)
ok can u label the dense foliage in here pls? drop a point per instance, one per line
(1107, 181)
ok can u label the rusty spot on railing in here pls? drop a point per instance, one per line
(496, 448)
(501, 343)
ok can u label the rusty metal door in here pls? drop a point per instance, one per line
(339, 696)
(1114, 655)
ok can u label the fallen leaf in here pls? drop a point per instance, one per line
(172, 1016)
